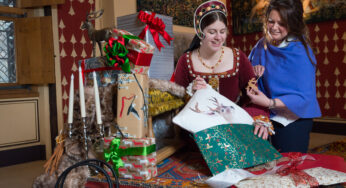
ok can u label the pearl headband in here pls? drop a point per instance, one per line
(205, 9)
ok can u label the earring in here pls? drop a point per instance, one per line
(201, 38)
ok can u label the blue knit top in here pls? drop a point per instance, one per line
(289, 76)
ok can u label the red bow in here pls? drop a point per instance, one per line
(156, 27)
(297, 175)
(120, 40)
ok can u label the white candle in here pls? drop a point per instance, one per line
(70, 102)
(147, 32)
(97, 101)
(81, 93)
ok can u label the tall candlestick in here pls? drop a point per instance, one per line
(97, 101)
(81, 93)
(70, 102)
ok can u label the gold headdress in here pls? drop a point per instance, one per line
(205, 9)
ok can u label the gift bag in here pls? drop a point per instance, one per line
(132, 105)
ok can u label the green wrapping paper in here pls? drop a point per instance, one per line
(233, 146)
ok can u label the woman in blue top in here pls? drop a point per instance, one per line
(286, 66)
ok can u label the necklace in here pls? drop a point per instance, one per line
(216, 64)
(275, 42)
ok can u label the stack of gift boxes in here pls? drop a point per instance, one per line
(130, 149)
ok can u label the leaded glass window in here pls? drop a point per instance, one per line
(7, 47)
(8, 3)
(7, 52)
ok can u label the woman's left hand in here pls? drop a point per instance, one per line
(258, 70)
(257, 97)
(261, 131)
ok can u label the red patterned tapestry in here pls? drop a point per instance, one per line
(329, 41)
(74, 43)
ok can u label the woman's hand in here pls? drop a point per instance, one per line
(257, 97)
(261, 131)
(199, 83)
(258, 70)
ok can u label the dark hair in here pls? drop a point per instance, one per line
(291, 13)
(206, 21)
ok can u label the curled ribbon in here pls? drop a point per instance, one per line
(156, 27)
(297, 175)
(116, 53)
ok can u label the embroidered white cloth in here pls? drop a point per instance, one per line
(208, 108)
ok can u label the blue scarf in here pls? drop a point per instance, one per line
(289, 76)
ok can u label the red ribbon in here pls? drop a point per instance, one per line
(102, 69)
(297, 175)
(172, 77)
(83, 68)
(156, 27)
(96, 69)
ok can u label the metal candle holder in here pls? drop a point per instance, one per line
(85, 136)
(70, 130)
(102, 130)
